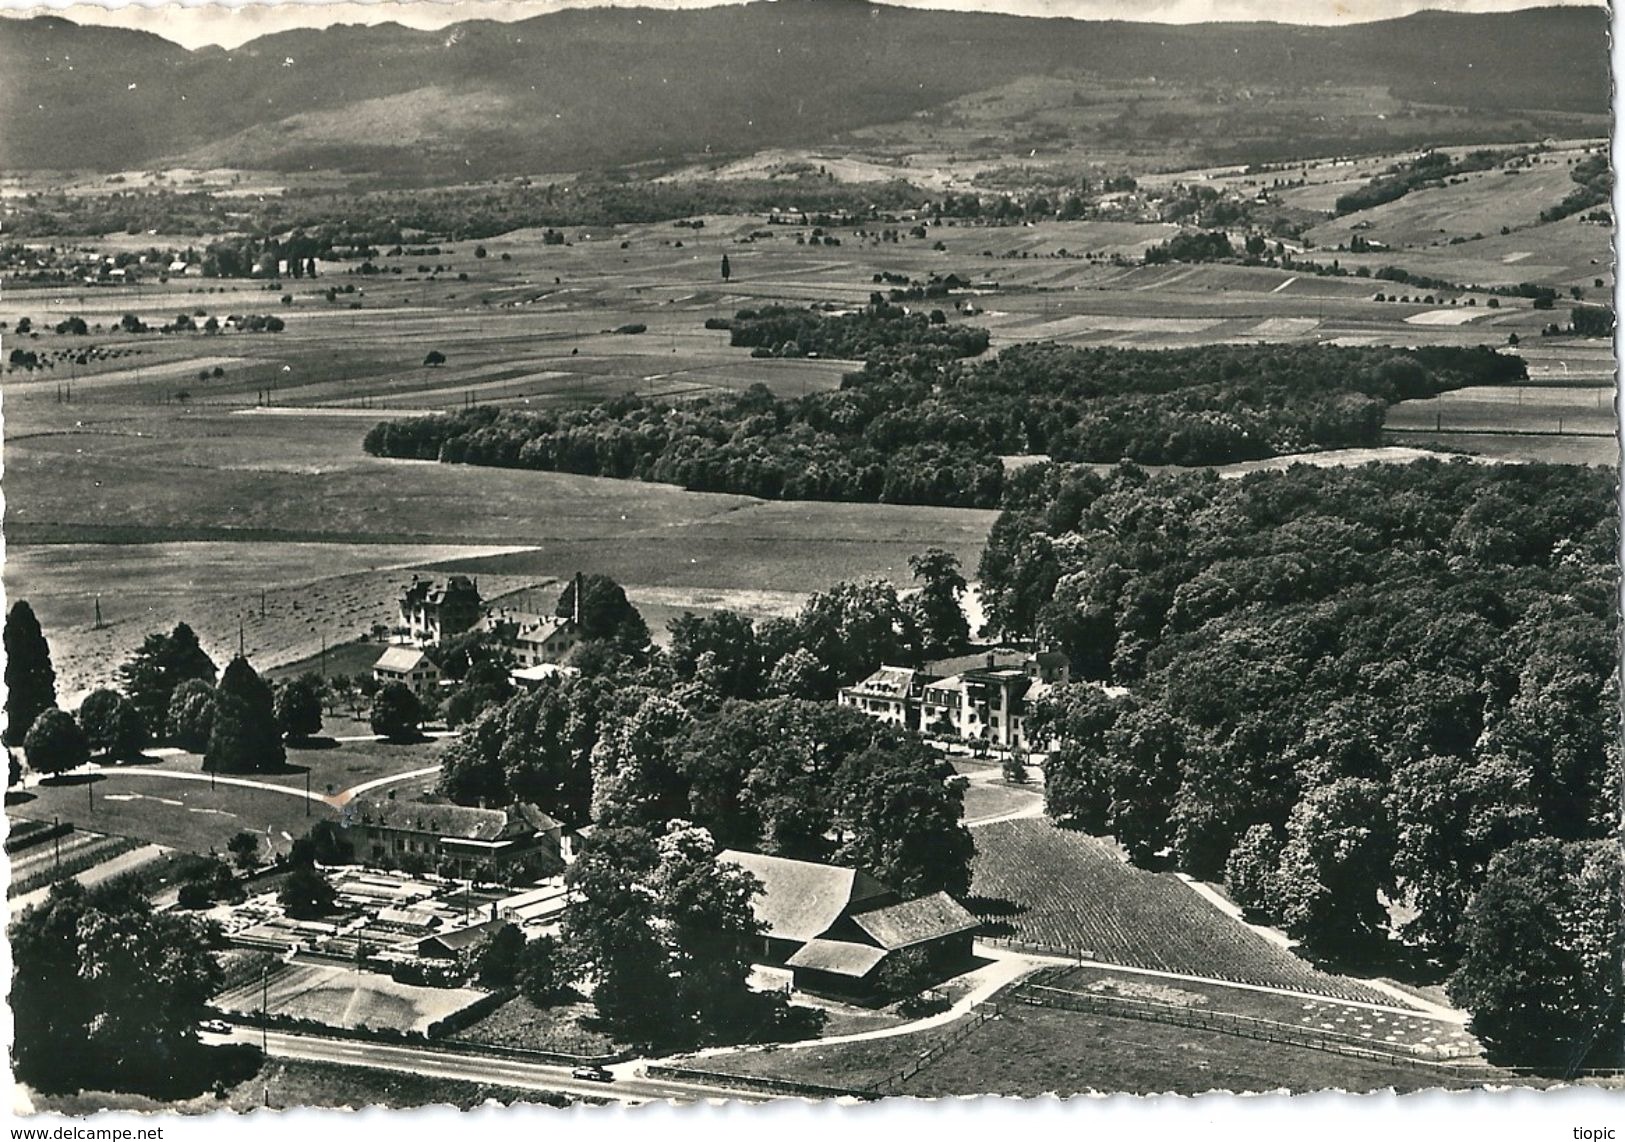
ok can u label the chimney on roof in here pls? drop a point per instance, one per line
(990, 657)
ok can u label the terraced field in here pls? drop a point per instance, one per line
(1068, 893)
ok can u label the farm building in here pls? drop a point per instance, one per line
(449, 945)
(409, 667)
(834, 927)
(475, 843)
(431, 612)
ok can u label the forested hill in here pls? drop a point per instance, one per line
(1348, 685)
(923, 424)
(581, 89)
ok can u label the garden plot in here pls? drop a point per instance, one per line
(348, 999)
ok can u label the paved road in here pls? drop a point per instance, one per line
(628, 1087)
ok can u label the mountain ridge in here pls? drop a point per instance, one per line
(584, 88)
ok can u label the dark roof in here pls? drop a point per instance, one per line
(893, 682)
(916, 921)
(837, 957)
(801, 900)
(458, 822)
(960, 664)
(460, 938)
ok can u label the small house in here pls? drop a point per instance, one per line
(408, 666)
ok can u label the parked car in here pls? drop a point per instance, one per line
(595, 1074)
(215, 1027)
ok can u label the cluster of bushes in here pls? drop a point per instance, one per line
(783, 332)
(1595, 188)
(1191, 246)
(1432, 169)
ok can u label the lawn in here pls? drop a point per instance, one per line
(994, 799)
(1031, 1051)
(1069, 892)
(284, 1083)
(184, 815)
(568, 1028)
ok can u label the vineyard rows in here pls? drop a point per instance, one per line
(1069, 893)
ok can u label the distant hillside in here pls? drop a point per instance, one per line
(590, 88)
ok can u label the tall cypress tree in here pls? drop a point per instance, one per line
(245, 737)
(30, 678)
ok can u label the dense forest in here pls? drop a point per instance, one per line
(919, 425)
(1392, 685)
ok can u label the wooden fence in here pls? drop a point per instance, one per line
(937, 1049)
(1244, 1026)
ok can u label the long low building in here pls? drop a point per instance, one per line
(492, 844)
(834, 928)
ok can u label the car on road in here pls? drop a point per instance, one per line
(594, 1073)
(215, 1027)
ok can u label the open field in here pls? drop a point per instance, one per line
(345, 997)
(169, 493)
(1033, 1051)
(1071, 894)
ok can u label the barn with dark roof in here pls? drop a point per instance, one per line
(834, 927)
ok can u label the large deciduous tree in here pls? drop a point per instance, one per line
(30, 678)
(106, 993)
(664, 932)
(938, 610)
(112, 724)
(299, 709)
(605, 613)
(397, 712)
(244, 736)
(901, 810)
(720, 650)
(162, 663)
(1337, 858)
(1540, 967)
(191, 715)
(55, 743)
(537, 746)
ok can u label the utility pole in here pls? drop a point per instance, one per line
(307, 792)
(265, 986)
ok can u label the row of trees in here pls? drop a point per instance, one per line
(1350, 689)
(920, 425)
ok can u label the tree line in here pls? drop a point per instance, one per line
(918, 425)
(1351, 691)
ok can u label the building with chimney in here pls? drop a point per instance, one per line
(433, 612)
